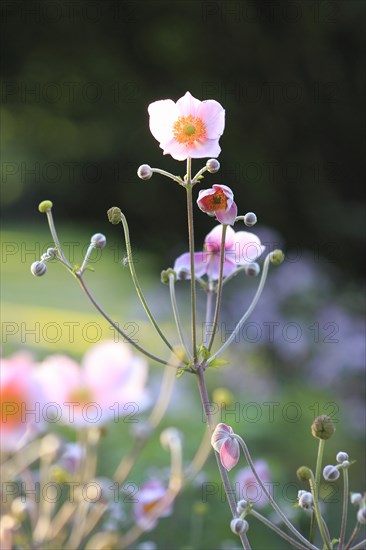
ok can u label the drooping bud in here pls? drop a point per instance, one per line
(239, 526)
(355, 498)
(303, 473)
(242, 505)
(330, 473)
(164, 276)
(341, 457)
(361, 516)
(38, 269)
(306, 500)
(277, 257)
(250, 219)
(144, 172)
(252, 270)
(98, 240)
(51, 252)
(44, 206)
(114, 215)
(212, 166)
(323, 427)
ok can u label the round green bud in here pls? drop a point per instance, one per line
(98, 240)
(277, 257)
(38, 269)
(239, 526)
(250, 219)
(114, 215)
(331, 473)
(144, 172)
(323, 427)
(165, 275)
(303, 473)
(212, 166)
(44, 206)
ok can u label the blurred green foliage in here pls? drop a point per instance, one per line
(78, 77)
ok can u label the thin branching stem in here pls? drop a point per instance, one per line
(191, 254)
(219, 288)
(178, 323)
(344, 510)
(277, 530)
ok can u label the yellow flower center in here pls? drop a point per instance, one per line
(150, 506)
(188, 129)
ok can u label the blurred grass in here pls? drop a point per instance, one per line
(55, 300)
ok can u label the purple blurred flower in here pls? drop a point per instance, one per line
(149, 497)
(248, 487)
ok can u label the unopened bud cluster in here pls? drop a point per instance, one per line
(239, 526)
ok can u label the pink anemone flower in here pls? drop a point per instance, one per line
(248, 487)
(187, 128)
(241, 248)
(21, 399)
(110, 384)
(149, 497)
(219, 202)
(227, 447)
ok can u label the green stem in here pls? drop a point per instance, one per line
(319, 519)
(277, 530)
(268, 495)
(345, 509)
(176, 315)
(199, 173)
(55, 237)
(191, 253)
(208, 312)
(223, 473)
(137, 284)
(359, 546)
(117, 328)
(248, 312)
(219, 288)
(168, 175)
(318, 470)
(353, 535)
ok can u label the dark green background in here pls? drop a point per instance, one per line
(78, 77)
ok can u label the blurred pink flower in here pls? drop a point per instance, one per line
(227, 447)
(219, 202)
(110, 384)
(149, 497)
(21, 400)
(241, 248)
(187, 128)
(247, 486)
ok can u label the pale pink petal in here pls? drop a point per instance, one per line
(188, 105)
(230, 453)
(226, 190)
(204, 193)
(213, 239)
(229, 268)
(248, 246)
(183, 262)
(227, 217)
(219, 435)
(163, 114)
(209, 148)
(59, 376)
(213, 116)
(179, 151)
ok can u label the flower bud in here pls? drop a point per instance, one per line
(114, 215)
(169, 437)
(239, 526)
(252, 269)
(212, 166)
(303, 473)
(144, 172)
(361, 516)
(277, 257)
(98, 240)
(345, 464)
(341, 457)
(164, 275)
(44, 206)
(330, 473)
(242, 505)
(356, 498)
(322, 427)
(250, 219)
(51, 252)
(306, 500)
(38, 269)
